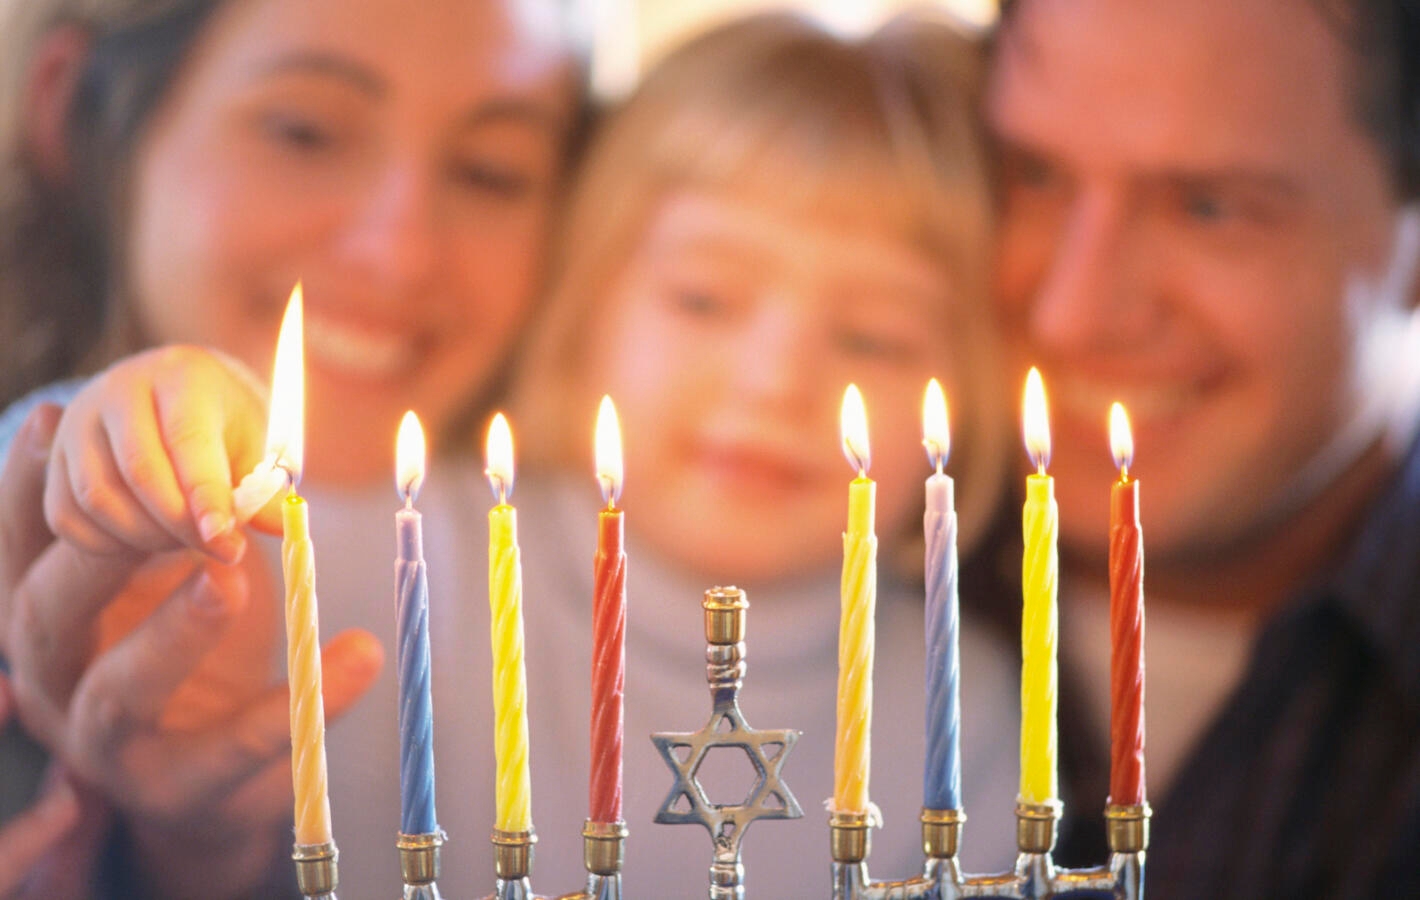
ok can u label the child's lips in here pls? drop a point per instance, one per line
(752, 468)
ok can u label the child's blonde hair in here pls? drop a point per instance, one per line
(774, 107)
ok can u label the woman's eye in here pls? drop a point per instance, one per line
(862, 343)
(503, 182)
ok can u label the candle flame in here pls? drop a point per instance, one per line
(499, 458)
(936, 434)
(608, 444)
(409, 457)
(853, 425)
(1121, 439)
(1037, 421)
(285, 425)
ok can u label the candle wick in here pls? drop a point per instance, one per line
(1123, 474)
(408, 497)
(939, 465)
(1040, 467)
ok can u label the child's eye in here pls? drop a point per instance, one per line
(696, 302)
(504, 182)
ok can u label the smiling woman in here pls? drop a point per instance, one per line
(402, 166)
(169, 171)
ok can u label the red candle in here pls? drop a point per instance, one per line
(1126, 624)
(608, 627)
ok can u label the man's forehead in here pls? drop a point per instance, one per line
(1214, 83)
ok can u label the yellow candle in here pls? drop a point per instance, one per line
(855, 633)
(1039, 628)
(505, 598)
(284, 456)
(303, 665)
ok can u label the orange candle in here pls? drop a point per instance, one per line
(1126, 623)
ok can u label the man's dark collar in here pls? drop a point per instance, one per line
(1377, 586)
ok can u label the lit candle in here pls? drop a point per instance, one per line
(855, 633)
(284, 451)
(416, 708)
(505, 597)
(608, 626)
(1039, 626)
(941, 787)
(273, 474)
(1126, 623)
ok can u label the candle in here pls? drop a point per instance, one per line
(941, 787)
(1039, 627)
(608, 627)
(273, 474)
(416, 708)
(284, 453)
(513, 797)
(855, 634)
(1126, 623)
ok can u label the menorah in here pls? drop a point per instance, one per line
(1035, 875)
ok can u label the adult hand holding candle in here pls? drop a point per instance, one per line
(1126, 623)
(941, 788)
(858, 597)
(608, 627)
(505, 597)
(1039, 618)
(416, 708)
(284, 450)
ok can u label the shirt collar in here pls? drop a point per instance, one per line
(1377, 585)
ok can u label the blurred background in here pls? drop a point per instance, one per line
(629, 35)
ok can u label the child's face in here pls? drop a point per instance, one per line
(399, 158)
(728, 340)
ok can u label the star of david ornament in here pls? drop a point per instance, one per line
(684, 752)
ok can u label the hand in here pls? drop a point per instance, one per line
(28, 838)
(146, 455)
(149, 675)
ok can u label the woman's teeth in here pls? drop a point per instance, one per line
(356, 351)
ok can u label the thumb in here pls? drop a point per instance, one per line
(350, 663)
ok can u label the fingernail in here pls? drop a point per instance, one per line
(36, 433)
(228, 547)
(213, 523)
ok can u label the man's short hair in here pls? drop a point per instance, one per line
(1384, 37)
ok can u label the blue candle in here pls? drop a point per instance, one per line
(416, 708)
(941, 787)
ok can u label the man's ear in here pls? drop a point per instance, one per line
(50, 82)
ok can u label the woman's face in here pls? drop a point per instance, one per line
(401, 159)
(728, 341)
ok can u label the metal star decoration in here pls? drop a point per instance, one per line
(769, 799)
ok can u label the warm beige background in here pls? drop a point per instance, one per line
(629, 34)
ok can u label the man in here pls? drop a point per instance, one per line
(1208, 216)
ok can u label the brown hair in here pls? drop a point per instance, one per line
(773, 105)
(55, 239)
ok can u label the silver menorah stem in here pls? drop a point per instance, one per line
(770, 798)
(317, 874)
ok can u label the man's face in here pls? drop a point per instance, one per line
(1195, 225)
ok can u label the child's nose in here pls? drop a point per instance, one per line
(775, 358)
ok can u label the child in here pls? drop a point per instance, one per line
(774, 214)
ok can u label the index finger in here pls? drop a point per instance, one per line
(23, 532)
